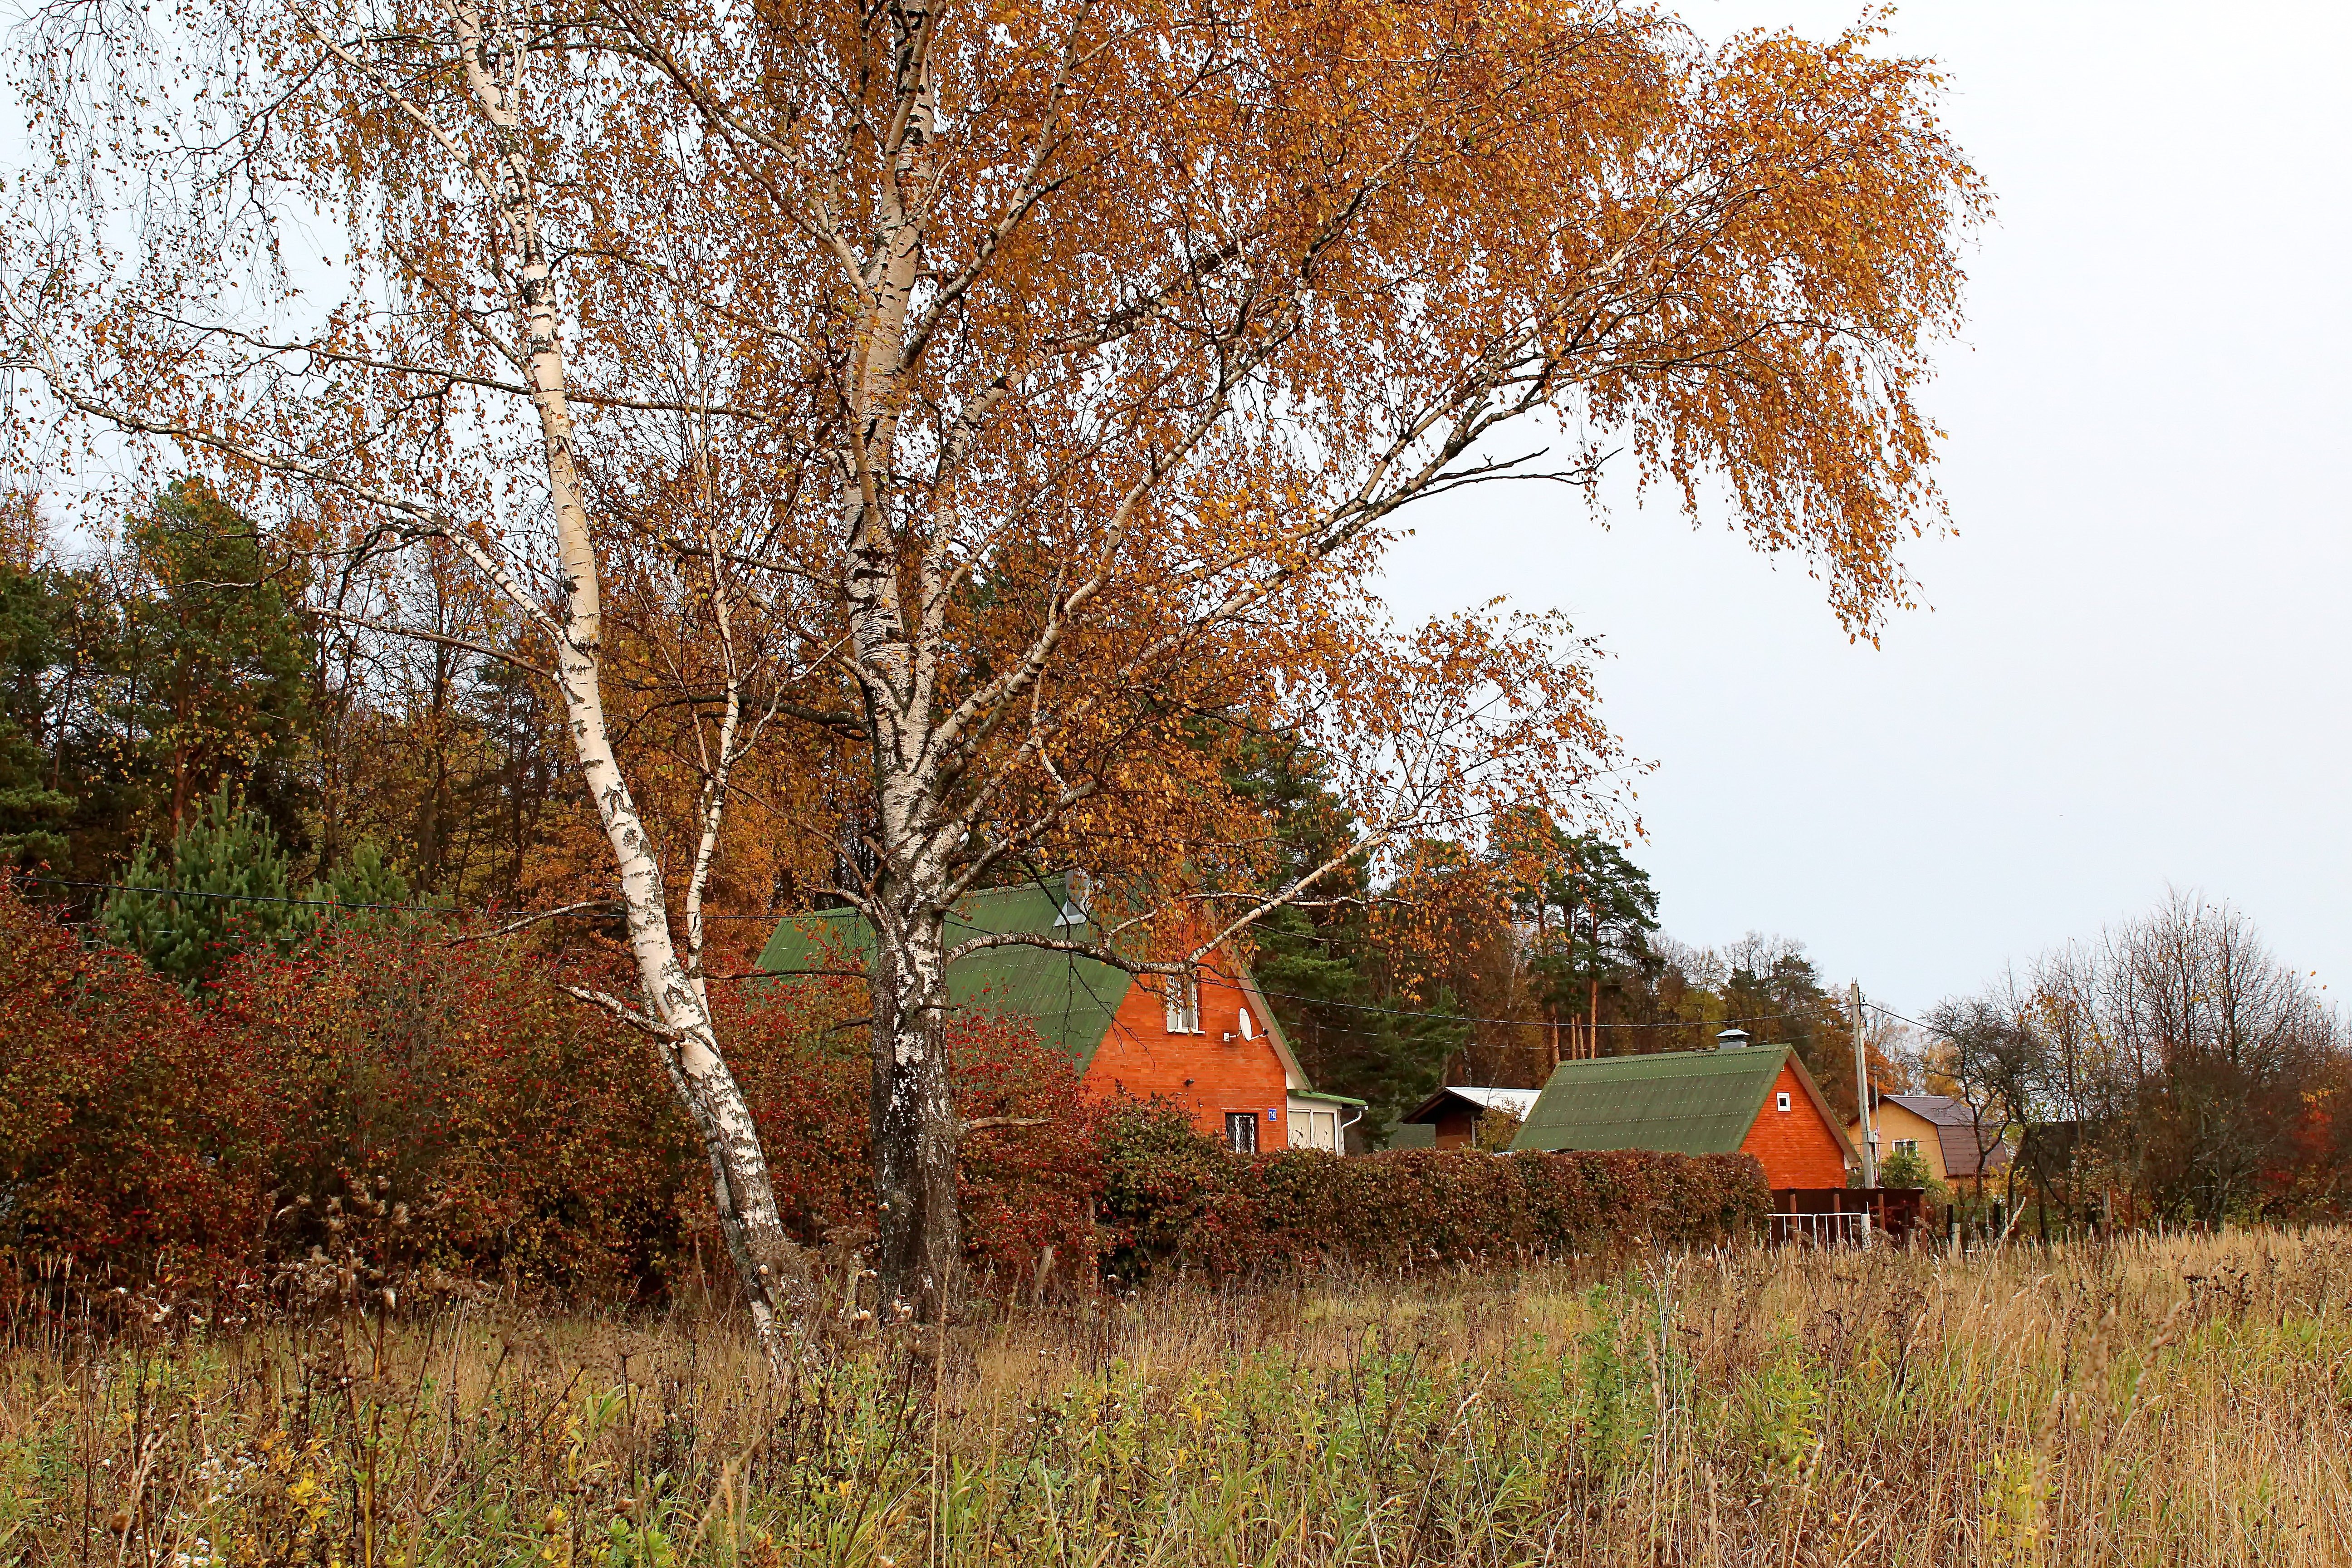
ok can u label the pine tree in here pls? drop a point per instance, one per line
(365, 889)
(213, 677)
(1593, 914)
(34, 813)
(365, 880)
(230, 890)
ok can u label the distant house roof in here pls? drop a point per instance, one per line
(1069, 1000)
(1512, 1102)
(1942, 1109)
(2049, 1149)
(1683, 1102)
(1298, 1092)
(1969, 1148)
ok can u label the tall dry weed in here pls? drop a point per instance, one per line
(2182, 1401)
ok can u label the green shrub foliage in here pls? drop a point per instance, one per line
(1905, 1168)
(239, 893)
(1175, 1199)
(232, 890)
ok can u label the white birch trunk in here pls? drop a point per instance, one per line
(774, 1274)
(914, 1120)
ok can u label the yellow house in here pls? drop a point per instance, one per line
(1960, 1150)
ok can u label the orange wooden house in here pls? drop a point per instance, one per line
(1207, 1041)
(1736, 1098)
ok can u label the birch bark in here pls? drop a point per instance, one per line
(775, 1276)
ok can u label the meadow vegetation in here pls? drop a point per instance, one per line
(2185, 1401)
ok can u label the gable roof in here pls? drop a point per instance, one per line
(1681, 1102)
(1942, 1109)
(1070, 1000)
(1294, 1077)
(1515, 1102)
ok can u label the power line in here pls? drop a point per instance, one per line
(1441, 1017)
(1889, 1012)
(1472, 1018)
(566, 913)
(233, 897)
(616, 910)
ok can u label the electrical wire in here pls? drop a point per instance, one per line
(567, 913)
(1472, 1018)
(1454, 1017)
(1885, 1011)
(616, 910)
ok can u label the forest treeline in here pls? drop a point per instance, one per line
(2173, 1062)
(185, 686)
(146, 670)
(183, 708)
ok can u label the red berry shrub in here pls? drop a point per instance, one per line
(1175, 1198)
(525, 1136)
(514, 1132)
(504, 1130)
(124, 1112)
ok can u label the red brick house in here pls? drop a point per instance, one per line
(1208, 1042)
(1736, 1098)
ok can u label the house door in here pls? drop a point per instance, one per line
(1241, 1131)
(1313, 1129)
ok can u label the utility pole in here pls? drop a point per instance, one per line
(1592, 1016)
(1861, 1090)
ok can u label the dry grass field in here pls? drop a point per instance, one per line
(2174, 1402)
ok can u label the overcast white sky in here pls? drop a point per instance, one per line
(2135, 670)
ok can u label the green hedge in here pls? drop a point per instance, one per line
(1175, 1199)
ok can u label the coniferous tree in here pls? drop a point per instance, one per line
(212, 675)
(365, 881)
(35, 814)
(224, 886)
(1590, 912)
(1329, 976)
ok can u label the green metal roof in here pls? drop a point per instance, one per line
(1069, 999)
(1681, 1102)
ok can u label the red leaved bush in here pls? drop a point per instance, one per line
(118, 1099)
(518, 1133)
(1175, 1198)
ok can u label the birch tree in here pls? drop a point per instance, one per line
(1014, 401)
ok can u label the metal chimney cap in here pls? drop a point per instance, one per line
(1732, 1040)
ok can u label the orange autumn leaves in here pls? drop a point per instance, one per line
(1106, 343)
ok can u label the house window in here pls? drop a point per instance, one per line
(1783, 1101)
(1906, 1145)
(1241, 1131)
(1181, 995)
